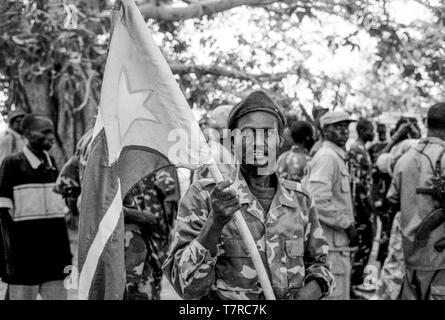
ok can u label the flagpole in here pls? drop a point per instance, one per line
(248, 241)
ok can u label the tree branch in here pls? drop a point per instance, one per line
(179, 68)
(428, 5)
(197, 9)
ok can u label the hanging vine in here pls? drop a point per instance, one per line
(58, 43)
(69, 48)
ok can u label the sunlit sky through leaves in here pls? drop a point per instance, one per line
(353, 64)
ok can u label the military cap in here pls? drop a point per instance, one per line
(257, 100)
(334, 117)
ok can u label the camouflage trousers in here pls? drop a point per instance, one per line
(340, 262)
(365, 236)
(143, 265)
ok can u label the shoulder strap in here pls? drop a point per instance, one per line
(429, 159)
(439, 163)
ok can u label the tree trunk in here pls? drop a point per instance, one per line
(69, 126)
(43, 99)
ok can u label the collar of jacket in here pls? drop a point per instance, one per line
(283, 196)
(340, 151)
(33, 160)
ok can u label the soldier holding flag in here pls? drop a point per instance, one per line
(209, 260)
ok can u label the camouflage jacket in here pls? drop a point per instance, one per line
(156, 197)
(71, 175)
(289, 239)
(389, 285)
(360, 168)
(291, 164)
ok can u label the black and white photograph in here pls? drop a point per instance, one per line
(207, 150)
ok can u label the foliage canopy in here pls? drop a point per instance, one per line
(352, 54)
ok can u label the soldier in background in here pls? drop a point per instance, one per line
(317, 113)
(375, 149)
(13, 140)
(149, 213)
(401, 140)
(380, 185)
(291, 117)
(419, 170)
(291, 165)
(328, 181)
(360, 167)
(219, 141)
(70, 179)
(389, 282)
(392, 275)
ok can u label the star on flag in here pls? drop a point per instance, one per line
(132, 105)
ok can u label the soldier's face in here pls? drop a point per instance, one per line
(368, 133)
(259, 141)
(382, 133)
(337, 133)
(16, 124)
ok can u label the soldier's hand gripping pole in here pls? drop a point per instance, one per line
(248, 241)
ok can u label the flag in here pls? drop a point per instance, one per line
(144, 123)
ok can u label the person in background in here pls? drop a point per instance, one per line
(402, 136)
(291, 165)
(32, 218)
(360, 168)
(317, 113)
(149, 214)
(329, 182)
(379, 145)
(380, 186)
(204, 126)
(219, 142)
(69, 181)
(390, 281)
(69, 186)
(13, 140)
(291, 117)
(417, 189)
(405, 135)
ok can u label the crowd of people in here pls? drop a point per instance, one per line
(331, 218)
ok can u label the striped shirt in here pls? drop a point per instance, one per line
(38, 246)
